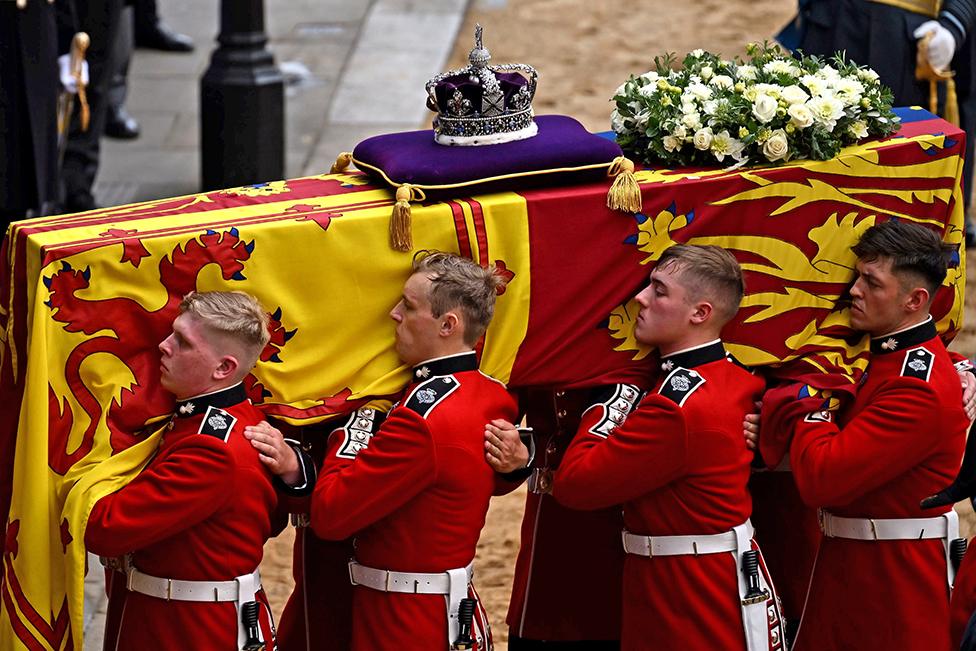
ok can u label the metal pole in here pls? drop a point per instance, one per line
(242, 116)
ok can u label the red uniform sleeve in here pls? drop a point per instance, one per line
(172, 494)
(646, 452)
(352, 494)
(834, 466)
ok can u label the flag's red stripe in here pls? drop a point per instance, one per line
(461, 227)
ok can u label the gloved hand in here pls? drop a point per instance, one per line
(68, 81)
(942, 47)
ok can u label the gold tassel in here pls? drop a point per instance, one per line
(401, 236)
(341, 163)
(951, 103)
(624, 194)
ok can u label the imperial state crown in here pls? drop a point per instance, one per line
(483, 104)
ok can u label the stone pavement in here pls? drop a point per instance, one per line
(355, 68)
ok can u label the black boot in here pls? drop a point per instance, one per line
(120, 125)
(160, 36)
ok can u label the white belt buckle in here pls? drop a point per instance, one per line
(352, 579)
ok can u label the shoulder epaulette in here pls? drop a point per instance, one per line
(217, 423)
(918, 363)
(358, 430)
(616, 401)
(681, 383)
(431, 393)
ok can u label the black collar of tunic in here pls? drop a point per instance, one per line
(904, 339)
(224, 398)
(445, 366)
(695, 357)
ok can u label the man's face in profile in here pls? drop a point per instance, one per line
(188, 358)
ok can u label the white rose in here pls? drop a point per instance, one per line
(698, 53)
(701, 91)
(671, 143)
(706, 73)
(650, 76)
(858, 129)
(679, 132)
(794, 95)
(746, 72)
(764, 108)
(800, 116)
(688, 105)
(691, 120)
(703, 139)
(776, 147)
(621, 89)
(826, 110)
(828, 72)
(709, 107)
(722, 81)
(647, 91)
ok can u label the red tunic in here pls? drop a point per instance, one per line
(900, 441)
(550, 602)
(678, 469)
(201, 510)
(416, 497)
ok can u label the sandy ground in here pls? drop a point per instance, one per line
(583, 50)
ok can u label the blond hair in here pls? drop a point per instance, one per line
(708, 272)
(235, 315)
(460, 283)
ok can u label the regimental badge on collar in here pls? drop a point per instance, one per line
(680, 384)
(667, 366)
(889, 344)
(918, 363)
(187, 408)
(217, 423)
(422, 373)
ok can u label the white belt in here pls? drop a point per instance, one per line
(834, 526)
(178, 590)
(944, 527)
(652, 546)
(452, 583)
(410, 582)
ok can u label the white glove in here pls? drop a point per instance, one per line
(68, 80)
(941, 47)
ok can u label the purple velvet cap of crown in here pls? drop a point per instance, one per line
(472, 90)
(413, 157)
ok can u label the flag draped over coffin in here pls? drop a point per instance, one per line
(87, 298)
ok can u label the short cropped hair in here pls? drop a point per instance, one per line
(710, 273)
(912, 248)
(236, 315)
(460, 283)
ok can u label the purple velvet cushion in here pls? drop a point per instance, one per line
(560, 153)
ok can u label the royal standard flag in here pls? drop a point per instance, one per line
(87, 298)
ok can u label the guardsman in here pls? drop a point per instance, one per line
(192, 525)
(882, 576)
(676, 460)
(413, 489)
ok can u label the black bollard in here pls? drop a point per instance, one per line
(242, 103)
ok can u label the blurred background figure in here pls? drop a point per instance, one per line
(153, 34)
(31, 74)
(883, 34)
(118, 123)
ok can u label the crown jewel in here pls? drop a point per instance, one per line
(482, 104)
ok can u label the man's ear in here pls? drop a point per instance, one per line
(917, 299)
(451, 324)
(702, 312)
(227, 368)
